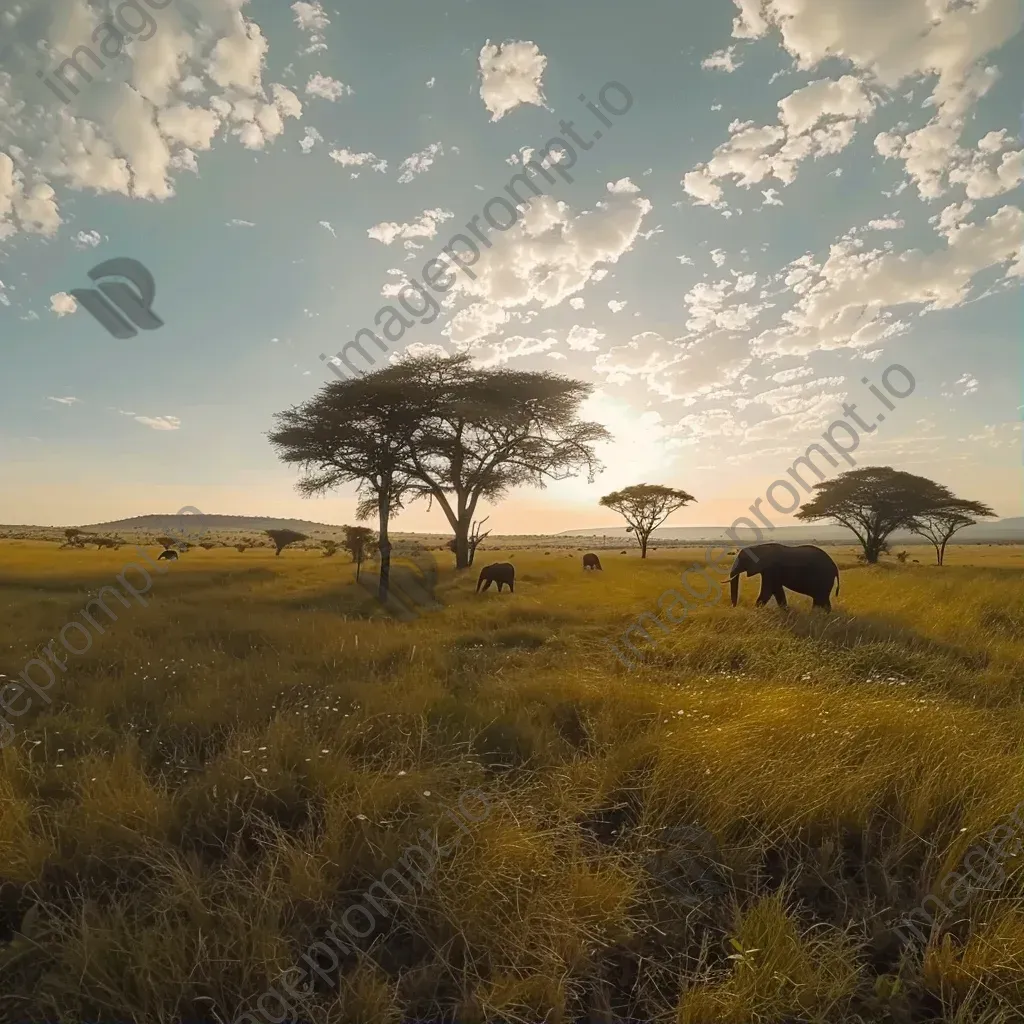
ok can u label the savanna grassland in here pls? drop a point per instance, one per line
(227, 769)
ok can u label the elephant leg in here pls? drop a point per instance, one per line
(487, 585)
(780, 596)
(500, 585)
(511, 587)
(824, 604)
(767, 590)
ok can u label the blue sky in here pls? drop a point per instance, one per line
(801, 195)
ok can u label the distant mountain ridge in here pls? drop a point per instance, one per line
(1002, 529)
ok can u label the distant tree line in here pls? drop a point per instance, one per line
(872, 503)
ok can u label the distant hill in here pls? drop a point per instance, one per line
(1011, 529)
(170, 523)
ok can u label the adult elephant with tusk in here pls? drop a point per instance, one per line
(802, 568)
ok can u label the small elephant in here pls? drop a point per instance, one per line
(500, 573)
(591, 561)
(171, 556)
(803, 568)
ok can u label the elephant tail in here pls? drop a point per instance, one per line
(837, 584)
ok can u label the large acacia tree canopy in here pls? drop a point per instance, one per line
(443, 429)
(875, 499)
(351, 431)
(484, 431)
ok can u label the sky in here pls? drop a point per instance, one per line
(789, 197)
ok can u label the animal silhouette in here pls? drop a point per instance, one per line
(171, 556)
(591, 561)
(801, 567)
(500, 573)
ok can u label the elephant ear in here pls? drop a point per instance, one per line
(760, 557)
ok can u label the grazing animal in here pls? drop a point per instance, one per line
(171, 556)
(500, 573)
(591, 561)
(803, 568)
(622, 552)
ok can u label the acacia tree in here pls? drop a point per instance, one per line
(357, 430)
(484, 431)
(282, 538)
(645, 507)
(874, 501)
(357, 542)
(940, 523)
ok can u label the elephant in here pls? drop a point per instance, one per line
(591, 561)
(171, 556)
(500, 573)
(803, 568)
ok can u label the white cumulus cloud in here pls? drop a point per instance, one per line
(62, 304)
(425, 226)
(511, 74)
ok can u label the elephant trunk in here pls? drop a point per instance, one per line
(479, 582)
(734, 588)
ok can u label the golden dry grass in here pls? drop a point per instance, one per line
(228, 769)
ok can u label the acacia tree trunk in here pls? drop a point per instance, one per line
(872, 549)
(462, 525)
(384, 543)
(642, 537)
(463, 560)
